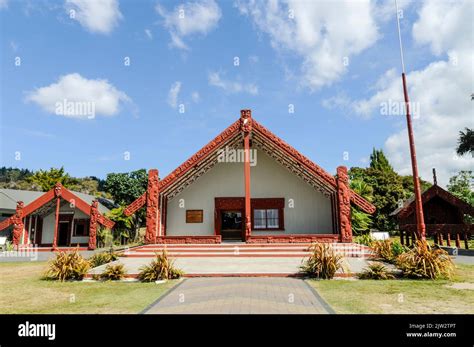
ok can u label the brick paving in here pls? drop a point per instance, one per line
(241, 295)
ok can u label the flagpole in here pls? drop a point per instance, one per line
(420, 222)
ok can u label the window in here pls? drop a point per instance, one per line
(266, 219)
(267, 213)
(81, 227)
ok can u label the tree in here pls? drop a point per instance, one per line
(124, 225)
(361, 221)
(46, 180)
(386, 185)
(460, 186)
(378, 161)
(126, 188)
(409, 188)
(465, 142)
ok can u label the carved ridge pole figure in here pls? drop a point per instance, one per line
(152, 207)
(246, 128)
(94, 218)
(18, 225)
(420, 222)
(344, 204)
(57, 194)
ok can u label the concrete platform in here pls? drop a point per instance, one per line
(234, 266)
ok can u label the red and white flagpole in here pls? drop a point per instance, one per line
(420, 222)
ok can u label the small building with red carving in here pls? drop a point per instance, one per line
(247, 184)
(53, 219)
(444, 216)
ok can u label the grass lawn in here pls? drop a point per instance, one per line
(23, 291)
(400, 296)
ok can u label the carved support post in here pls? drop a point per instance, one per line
(402, 241)
(466, 241)
(94, 218)
(18, 225)
(458, 240)
(246, 128)
(344, 204)
(57, 193)
(152, 207)
(448, 239)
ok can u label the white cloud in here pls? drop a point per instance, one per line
(79, 95)
(441, 91)
(195, 97)
(3, 4)
(97, 16)
(189, 19)
(231, 86)
(173, 94)
(149, 34)
(324, 34)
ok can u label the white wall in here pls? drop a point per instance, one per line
(311, 212)
(47, 235)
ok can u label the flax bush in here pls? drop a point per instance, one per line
(424, 261)
(113, 272)
(161, 268)
(323, 261)
(67, 266)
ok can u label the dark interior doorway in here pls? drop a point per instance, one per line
(63, 233)
(231, 224)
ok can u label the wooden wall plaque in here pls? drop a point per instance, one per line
(194, 216)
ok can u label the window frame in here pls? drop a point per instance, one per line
(268, 204)
(82, 221)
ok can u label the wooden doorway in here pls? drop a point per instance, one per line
(231, 224)
(64, 230)
(229, 218)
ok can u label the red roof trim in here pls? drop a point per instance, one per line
(429, 194)
(66, 195)
(200, 155)
(228, 133)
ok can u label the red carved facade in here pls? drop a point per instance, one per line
(152, 208)
(443, 217)
(56, 194)
(295, 238)
(17, 221)
(344, 204)
(93, 224)
(248, 130)
(136, 205)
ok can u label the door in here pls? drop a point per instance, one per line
(231, 224)
(63, 233)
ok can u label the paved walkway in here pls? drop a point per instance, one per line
(242, 295)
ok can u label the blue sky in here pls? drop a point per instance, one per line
(337, 109)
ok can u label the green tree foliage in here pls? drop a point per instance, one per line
(460, 186)
(465, 142)
(387, 188)
(361, 221)
(10, 174)
(378, 161)
(46, 180)
(126, 187)
(124, 225)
